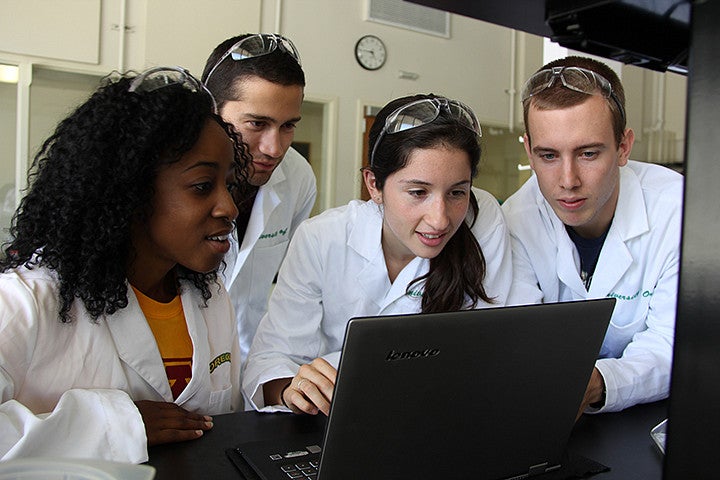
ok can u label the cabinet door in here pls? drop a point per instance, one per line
(8, 111)
(64, 30)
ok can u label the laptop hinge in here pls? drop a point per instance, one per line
(538, 469)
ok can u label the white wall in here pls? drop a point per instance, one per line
(473, 65)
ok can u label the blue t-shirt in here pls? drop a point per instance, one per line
(589, 251)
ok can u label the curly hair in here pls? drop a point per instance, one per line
(457, 272)
(94, 176)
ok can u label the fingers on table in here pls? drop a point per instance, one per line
(166, 422)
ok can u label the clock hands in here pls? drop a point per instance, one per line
(370, 51)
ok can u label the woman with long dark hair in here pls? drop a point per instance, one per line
(425, 242)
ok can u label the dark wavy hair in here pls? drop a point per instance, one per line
(227, 79)
(94, 176)
(457, 273)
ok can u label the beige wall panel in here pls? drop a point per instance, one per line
(473, 66)
(184, 32)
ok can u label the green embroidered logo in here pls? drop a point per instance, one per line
(282, 231)
(628, 297)
(414, 293)
(219, 360)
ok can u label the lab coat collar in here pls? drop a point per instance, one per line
(567, 260)
(366, 233)
(134, 339)
(136, 345)
(631, 216)
(630, 220)
(266, 201)
(365, 240)
(201, 349)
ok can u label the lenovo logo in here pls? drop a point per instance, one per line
(428, 352)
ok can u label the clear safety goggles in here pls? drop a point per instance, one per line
(159, 77)
(574, 78)
(257, 45)
(424, 111)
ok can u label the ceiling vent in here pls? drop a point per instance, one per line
(410, 16)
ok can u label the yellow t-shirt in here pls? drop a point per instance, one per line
(167, 322)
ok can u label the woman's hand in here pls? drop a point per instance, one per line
(310, 391)
(166, 422)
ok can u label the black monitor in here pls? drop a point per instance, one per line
(653, 34)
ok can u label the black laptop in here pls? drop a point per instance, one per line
(489, 394)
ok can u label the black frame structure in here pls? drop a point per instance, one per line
(694, 418)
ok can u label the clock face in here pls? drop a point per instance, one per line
(370, 52)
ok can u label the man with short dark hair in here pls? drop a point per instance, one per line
(590, 223)
(258, 83)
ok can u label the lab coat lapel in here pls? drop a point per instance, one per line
(568, 263)
(197, 329)
(631, 220)
(365, 240)
(567, 260)
(375, 283)
(399, 289)
(136, 345)
(266, 201)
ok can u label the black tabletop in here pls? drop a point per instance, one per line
(619, 440)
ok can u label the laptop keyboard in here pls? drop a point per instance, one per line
(301, 470)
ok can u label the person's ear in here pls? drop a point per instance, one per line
(526, 145)
(625, 147)
(375, 192)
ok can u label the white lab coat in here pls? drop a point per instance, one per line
(638, 265)
(335, 270)
(67, 389)
(280, 206)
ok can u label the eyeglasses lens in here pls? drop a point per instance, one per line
(262, 44)
(574, 78)
(465, 116)
(584, 81)
(253, 46)
(411, 116)
(160, 77)
(426, 111)
(155, 79)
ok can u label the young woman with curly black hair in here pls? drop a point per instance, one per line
(115, 332)
(425, 242)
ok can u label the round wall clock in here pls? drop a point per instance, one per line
(370, 52)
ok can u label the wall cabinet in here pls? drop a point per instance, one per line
(64, 47)
(105, 35)
(41, 28)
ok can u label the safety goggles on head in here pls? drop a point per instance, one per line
(574, 78)
(257, 45)
(159, 77)
(422, 112)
